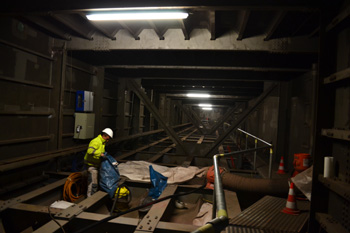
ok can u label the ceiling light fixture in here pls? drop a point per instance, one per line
(198, 95)
(135, 15)
(204, 105)
(207, 109)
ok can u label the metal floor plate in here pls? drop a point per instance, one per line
(266, 215)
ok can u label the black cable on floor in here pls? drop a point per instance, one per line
(135, 208)
(61, 227)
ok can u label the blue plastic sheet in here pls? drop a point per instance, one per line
(109, 175)
(158, 182)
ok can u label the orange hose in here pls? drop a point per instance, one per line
(75, 187)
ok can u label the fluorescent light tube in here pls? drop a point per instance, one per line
(207, 109)
(198, 95)
(137, 16)
(204, 105)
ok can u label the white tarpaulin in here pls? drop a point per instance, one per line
(139, 171)
(304, 182)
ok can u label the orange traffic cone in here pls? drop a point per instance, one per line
(281, 167)
(291, 206)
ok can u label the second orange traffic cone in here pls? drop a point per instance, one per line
(291, 205)
(281, 167)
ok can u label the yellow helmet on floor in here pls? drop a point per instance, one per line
(122, 192)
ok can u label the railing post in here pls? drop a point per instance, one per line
(270, 163)
(256, 146)
(246, 141)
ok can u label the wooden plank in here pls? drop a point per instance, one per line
(200, 140)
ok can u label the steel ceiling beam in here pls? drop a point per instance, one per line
(107, 33)
(229, 68)
(276, 22)
(185, 29)
(203, 82)
(222, 5)
(248, 76)
(159, 32)
(48, 26)
(243, 24)
(213, 150)
(226, 43)
(136, 88)
(217, 90)
(133, 32)
(212, 25)
(73, 24)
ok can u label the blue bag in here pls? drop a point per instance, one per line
(109, 175)
(158, 182)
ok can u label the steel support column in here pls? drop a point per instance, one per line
(198, 126)
(196, 117)
(61, 96)
(152, 108)
(98, 99)
(223, 119)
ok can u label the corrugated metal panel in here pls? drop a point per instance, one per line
(266, 214)
(235, 229)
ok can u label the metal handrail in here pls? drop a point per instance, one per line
(251, 135)
(256, 146)
(221, 221)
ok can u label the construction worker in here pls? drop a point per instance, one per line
(93, 156)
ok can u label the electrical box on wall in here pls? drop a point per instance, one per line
(84, 101)
(84, 126)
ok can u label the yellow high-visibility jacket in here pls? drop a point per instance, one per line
(94, 151)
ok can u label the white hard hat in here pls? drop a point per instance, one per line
(108, 131)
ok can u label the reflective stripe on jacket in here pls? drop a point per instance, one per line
(94, 151)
